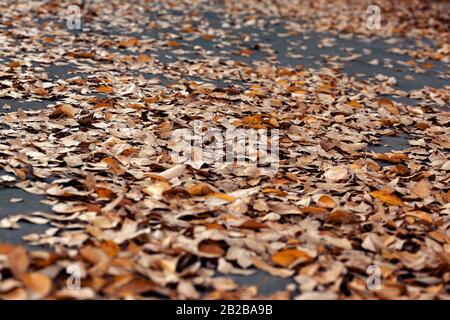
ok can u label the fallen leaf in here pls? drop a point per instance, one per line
(387, 197)
(286, 257)
(421, 189)
(38, 283)
(339, 173)
(18, 261)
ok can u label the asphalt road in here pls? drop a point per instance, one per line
(313, 56)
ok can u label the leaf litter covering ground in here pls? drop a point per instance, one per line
(138, 225)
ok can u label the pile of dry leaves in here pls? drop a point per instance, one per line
(133, 223)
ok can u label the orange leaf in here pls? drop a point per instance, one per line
(143, 58)
(110, 248)
(199, 189)
(387, 197)
(244, 52)
(222, 196)
(354, 104)
(38, 283)
(105, 89)
(173, 43)
(105, 193)
(326, 201)
(114, 166)
(6, 248)
(132, 42)
(153, 99)
(18, 261)
(286, 257)
(274, 191)
(391, 157)
(102, 105)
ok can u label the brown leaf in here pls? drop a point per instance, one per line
(252, 224)
(114, 166)
(421, 189)
(334, 174)
(14, 64)
(15, 294)
(64, 110)
(211, 247)
(421, 215)
(340, 217)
